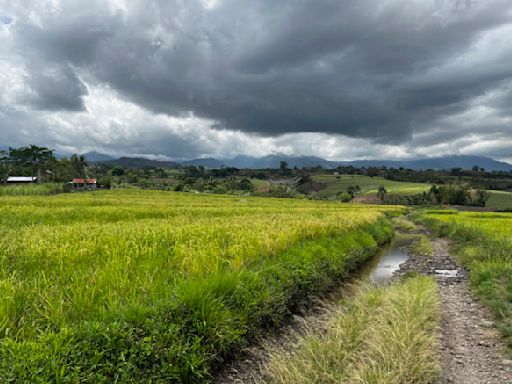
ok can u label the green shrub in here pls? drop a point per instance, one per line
(422, 246)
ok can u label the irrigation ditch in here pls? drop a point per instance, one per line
(379, 270)
(469, 347)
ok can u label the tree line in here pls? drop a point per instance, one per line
(40, 162)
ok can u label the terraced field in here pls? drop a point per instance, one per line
(139, 286)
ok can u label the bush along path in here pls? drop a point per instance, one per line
(471, 351)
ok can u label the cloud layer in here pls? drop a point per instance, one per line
(337, 78)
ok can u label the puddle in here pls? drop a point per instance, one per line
(387, 265)
(380, 269)
(447, 272)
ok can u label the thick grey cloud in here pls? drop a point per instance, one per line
(391, 73)
(56, 89)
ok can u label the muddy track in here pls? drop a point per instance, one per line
(471, 351)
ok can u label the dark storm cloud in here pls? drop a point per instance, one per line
(56, 89)
(305, 66)
(73, 36)
(385, 71)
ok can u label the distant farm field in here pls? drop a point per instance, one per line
(368, 185)
(139, 286)
(499, 200)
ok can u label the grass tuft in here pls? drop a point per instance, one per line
(384, 336)
(422, 247)
(403, 224)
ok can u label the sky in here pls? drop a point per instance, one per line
(180, 79)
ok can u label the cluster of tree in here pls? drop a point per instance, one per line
(458, 195)
(40, 162)
(308, 186)
(283, 182)
(146, 177)
(477, 177)
(453, 194)
(351, 192)
(230, 184)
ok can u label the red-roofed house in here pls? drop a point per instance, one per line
(83, 183)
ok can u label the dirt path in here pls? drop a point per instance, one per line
(470, 348)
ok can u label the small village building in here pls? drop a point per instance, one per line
(21, 179)
(80, 184)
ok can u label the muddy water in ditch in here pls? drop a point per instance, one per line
(377, 271)
(380, 269)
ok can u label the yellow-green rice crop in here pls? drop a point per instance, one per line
(134, 286)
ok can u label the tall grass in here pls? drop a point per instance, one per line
(31, 189)
(422, 246)
(133, 286)
(384, 336)
(483, 243)
(403, 224)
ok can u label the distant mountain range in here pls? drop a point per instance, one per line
(274, 161)
(206, 162)
(98, 157)
(445, 162)
(139, 162)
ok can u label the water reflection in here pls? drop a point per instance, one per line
(380, 269)
(388, 264)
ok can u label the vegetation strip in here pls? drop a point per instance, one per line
(135, 286)
(31, 189)
(384, 335)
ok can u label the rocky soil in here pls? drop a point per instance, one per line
(470, 348)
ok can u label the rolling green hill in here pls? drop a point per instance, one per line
(368, 185)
